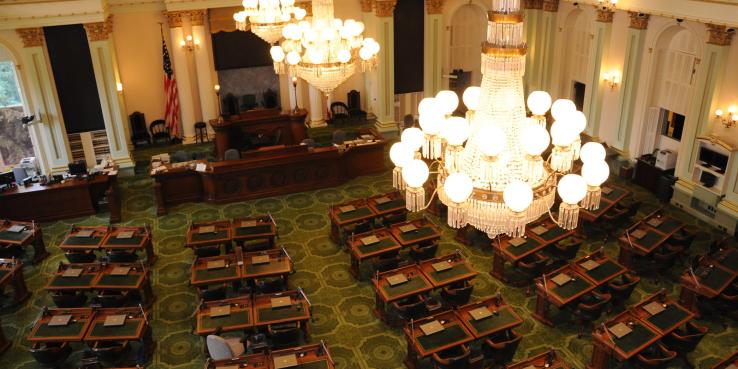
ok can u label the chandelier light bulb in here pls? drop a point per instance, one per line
(250, 3)
(415, 173)
(592, 152)
(365, 53)
(458, 187)
(412, 137)
(732, 109)
(277, 54)
(492, 141)
(579, 121)
(562, 134)
(539, 102)
(561, 108)
(455, 131)
(572, 188)
(447, 101)
(535, 139)
(293, 58)
(595, 173)
(518, 196)
(719, 113)
(401, 154)
(431, 123)
(344, 56)
(428, 106)
(471, 97)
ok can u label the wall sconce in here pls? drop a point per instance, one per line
(730, 119)
(189, 43)
(607, 4)
(612, 79)
(119, 86)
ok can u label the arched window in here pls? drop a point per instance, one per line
(15, 142)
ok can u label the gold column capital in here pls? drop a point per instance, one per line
(550, 6)
(604, 15)
(99, 31)
(532, 4)
(308, 6)
(384, 8)
(31, 37)
(174, 18)
(367, 6)
(639, 20)
(719, 35)
(197, 16)
(434, 6)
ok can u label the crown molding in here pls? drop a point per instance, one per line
(720, 12)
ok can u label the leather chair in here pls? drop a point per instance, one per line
(208, 251)
(410, 308)
(111, 353)
(339, 113)
(386, 262)
(113, 299)
(501, 348)
(220, 348)
(663, 260)
(655, 357)
(117, 256)
(530, 268)
(159, 132)
(11, 252)
(587, 312)
(50, 355)
(684, 238)
(269, 285)
(476, 362)
(458, 293)
(685, 341)
(394, 219)
(567, 250)
(452, 358)
(69, 299)
(139, 133)
(261, 244)
(213, 293)
(231, 154)
(201, 132)
(621, 289)
(285, 335)
(81, 256)
(420, 252)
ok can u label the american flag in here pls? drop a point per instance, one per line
(171, 115)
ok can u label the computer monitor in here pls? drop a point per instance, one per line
(78, 168)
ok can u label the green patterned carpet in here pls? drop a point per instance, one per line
(342, 307)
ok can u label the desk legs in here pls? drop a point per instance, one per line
(19, 285)
(411, 359)
(148, 293)
(335, 237)
(463, 235)
(39, 248)
(150, 254)
(600, 356)
(355, 267)
(541, 313)
(688, 298)
(379, 309)
(498, 266)
(626, 256)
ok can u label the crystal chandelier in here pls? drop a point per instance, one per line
(267, 17)
(489, 166)
(326, 51)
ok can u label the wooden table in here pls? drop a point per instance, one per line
(504, 251)
(84, 281)
(133, 329)
(549, 359)
(198, 237)
(727, 362)
(607, 202)
(390, 203)
(420, 345)
(74, 241)
(138, 278)
(360, 251)
(278, 264)
(254, 228)
(346, 214)
(310, 356)
(31, 235)
(239, 318)
(73, 332)
(646, 330)
(708, 281)
(654, 237)
(11, 273)
(299, 310)
(204, 272)
(385, 293)
(459, 270)
(503, 317)
(139, 240)
(424, 233)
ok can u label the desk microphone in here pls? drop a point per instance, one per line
(143, 313)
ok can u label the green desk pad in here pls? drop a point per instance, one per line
(419, 233)
(82, 241)
(668, 318)
(571, 288)
(730, 260)
(379, 246)
(84, 280)
(413, 284)
(287, 312)
(3, 272)
(505, 318)
(264, 268)
(716, 279)
(614, 194)
(553, 233)
(13, 236)
(209, 274)
(128, 329)
(449, 335)
(669, 225)
(71, 329)
(649, 241)
(133, 241)
(634, 339)
(119, 280)
(529, 244)
(455, 271)
(199, 237)
(393, 204)
(604, 271)
(313, 365)
(259, 229)
(232, 319)
(355, 214)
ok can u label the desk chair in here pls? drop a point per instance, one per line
(657, 357)
(71, 299)
(339, 137)
(111, 353)
(113, 299)
(501, 348)
(589, 311)
(220, 348)
(457, 294)
(423, 252)
(159, 132)
(231, 154)
(207, 251)
(50, 355)
(201, 132)
(11, 252)
(684, 341)
(452, 358)
(269, 285)
(394, 219)
(180, 156)
(80, 256)
(412, 307)
(621, 289)
(386, 262)
(565, 250)
(261, 244)
(285, 335)
(530, 268)
(213, 293)
(118, 256)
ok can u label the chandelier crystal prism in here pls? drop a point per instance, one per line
(267, 18)
(325, 51)
(490, 168)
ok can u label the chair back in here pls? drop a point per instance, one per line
(684, 342)
(455, 358)
(117, 256)
(591, 311)
(501, 349)
(285, 335)
(621, 291)
(660, 358)
(203, 252)
(248, 102)
(69, 300)
(110, 352)
(138, 123)
(633, 209)
(419, 252)
(213, 293)
(158, 127)
(534, 267)
(231, 154)
(354, 100)
(339, 109)
(457, 295)
(218, 348)
(384, 264)
(48, 354)
(269, 285)
(394, 219)
(112, 299)
(80, 257)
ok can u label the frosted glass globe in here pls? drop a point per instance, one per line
(277, 54)
(539, 102)
(455, 131)
(288, 2)
(458, 187)
(572, 188)
(365, 53)
(415, 173)
(431, 123)
(401, 154)
(578, 121)
(344, 56)
(535, 139)
(561, 107)
(428, 106)
(562, 133)
(447, 101)
(293, 58)
(300, 13)
(413, 138)
(492, 140)
(592, 152)
(471, 97)
(250, 3)
(595, 173)
(518, 196)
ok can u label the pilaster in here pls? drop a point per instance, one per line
(432, 68)
(631, 75)
(370, 78)
(185, 73)
(204, 65)
(317, 117)
(545, 53)
(601, 46)
(384, 9)
(532, 12)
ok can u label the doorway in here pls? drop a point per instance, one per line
(577, 94)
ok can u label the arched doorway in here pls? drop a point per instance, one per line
(16, 141)
(468, 31)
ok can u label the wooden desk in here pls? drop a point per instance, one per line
(310, 356)
(341, 218)
(503, 317)
(548, 292)
(727, 257)
(654, 238)
(11, 273)
(71, 199)
(220, 236)
(32, 235)
(140, 240)
(385, 293)
(727, 362)
(460, 270)
(607, 270)
(85, 281)
(202, 275)
(240, 318)
(708, 280)
(137, 279)
(420, 346)
(73, 242)
(665, 322)
(253, 361)
(299, 310)
(550, 360)
(279, 265)
(133, 328)
(253, 228)
(73, 332)
(387, 204)
(425, 232)
(359, 251)
(607, 202)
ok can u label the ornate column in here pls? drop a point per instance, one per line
(186, 80)
(433, 39)
(385, 73)
(370, 78)
(631, 76)
(105, 67)
(532, 10)
(600, 47)
(317, 117)
(204, 65)
(545, 50)
(47, 132)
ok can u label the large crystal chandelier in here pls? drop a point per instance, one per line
(490, 170)
(326, 51)
(267, 17)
